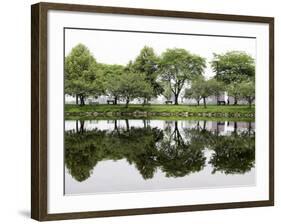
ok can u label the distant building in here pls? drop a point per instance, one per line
(159, 100)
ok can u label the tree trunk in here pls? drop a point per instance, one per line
(127, 102)
(127, 125)
(176, 131)
(204, 100)
(144, 123)
(76, 99)
(82, 126)
(249, 127)
(198, 102)
(204, 125)
(176, 99)
(76, 126)
(235, 127)
(235, 101)
(82, 100)
(250, 102)
(115, 100)
(144, 101)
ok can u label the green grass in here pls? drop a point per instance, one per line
(170, 118)
(105, 108)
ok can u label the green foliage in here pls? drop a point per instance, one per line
(83, 150)
(233, 66)
(132, 86)
(80, 74)
(175, 153)
(194, 92)
(234, 91)
(149, 76)
(167, 93)
(147, 63)
(247, 91)
(110, 76)
(217, 87)
(179, 157)
(202, 89)
(243, 91)
(229, 151)
(177, 66)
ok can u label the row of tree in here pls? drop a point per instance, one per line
(150, 75)
(201, 89)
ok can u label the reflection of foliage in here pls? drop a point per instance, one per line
(81, 153)
(234, 154)
(179, 158)
(84, 149)
(177, 153)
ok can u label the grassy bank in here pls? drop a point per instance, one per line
(239, 111)
(171, 118)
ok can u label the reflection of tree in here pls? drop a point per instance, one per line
(83, 150)
(234, 154)
(177, 152)
(178, 157)
(199, 135)
(81, 153)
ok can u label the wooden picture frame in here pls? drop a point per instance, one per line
(39, 110)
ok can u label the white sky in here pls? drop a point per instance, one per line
(113, 47)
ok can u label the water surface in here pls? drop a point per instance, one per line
(110, 156)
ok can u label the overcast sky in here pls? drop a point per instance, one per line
(113, 47)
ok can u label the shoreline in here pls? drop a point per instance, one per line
(165, 111)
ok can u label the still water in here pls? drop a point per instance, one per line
(111, 156)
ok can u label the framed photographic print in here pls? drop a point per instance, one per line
(140, 111)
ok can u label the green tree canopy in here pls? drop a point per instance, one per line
(80, 74)
(201, 89)
(233, 67)
(247, 91)
(233, 154)
(110, 76)
(147, 63)
(234, 91)
(167, 93)
(177, 66)
(133, 85)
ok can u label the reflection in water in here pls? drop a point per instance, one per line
(175, 149)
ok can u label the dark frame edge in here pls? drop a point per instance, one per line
(157, 210)
(271, 111)
(154, 12)
(38, 112)
(39, 122)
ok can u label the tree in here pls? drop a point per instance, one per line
(179, 156)
(247, 92)
(234, 153)
(177, 66)
(133, 85)
(84, 150)
(200, 89)
(167, 93)
(147, 63)
(233, 66)
(110, 78)
(195, 92)
(80, 74)
(216, 87)
(234, 91)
